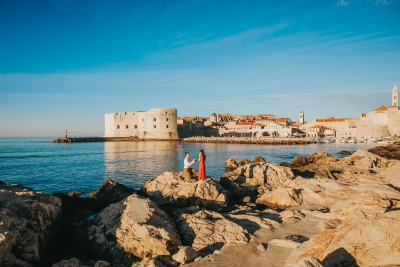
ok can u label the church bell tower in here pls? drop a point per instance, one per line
(301, 117)
(395, 96)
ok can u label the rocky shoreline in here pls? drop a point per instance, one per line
(248, 140)
(315, 211)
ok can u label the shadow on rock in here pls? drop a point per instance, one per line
(340, 257)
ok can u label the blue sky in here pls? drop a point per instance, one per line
(64, 64)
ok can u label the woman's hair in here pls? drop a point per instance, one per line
(202, 152)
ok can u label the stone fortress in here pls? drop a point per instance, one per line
(153, 124)
(379, 123)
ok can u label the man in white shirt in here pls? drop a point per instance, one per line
(187, 170)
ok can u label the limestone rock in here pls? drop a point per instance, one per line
(246, 180)
(308, 262)
(28, 224)
(392, 175)
(299, 161)
(365, 238)
(134, 226)
(109, 192)
(231, 163)
(169, 189)
(320, 158)
(185, 255)
(253, 221)
(387, 152)
(206, 231)
(149, 262)
(291, 216)
(366, 160)
(281, 198)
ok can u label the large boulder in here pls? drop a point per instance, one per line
(246, 180)
(28, 224)
(320, 158)
(206, 231)
(109, 192)
(387, 152)
(270, 174)
(185, 255)
(365, 238)
(282, 198)
(133, 227)
(299, 161)
(231, 164)
(360, 166)
(366, 160)
(169, 190)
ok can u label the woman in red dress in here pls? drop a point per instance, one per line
(202, 166)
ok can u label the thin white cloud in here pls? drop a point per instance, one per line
(381, 2)
(342, 3)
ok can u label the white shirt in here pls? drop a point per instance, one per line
(188, 162)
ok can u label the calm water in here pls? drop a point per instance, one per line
(57, 167)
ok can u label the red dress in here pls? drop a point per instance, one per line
(202, 168)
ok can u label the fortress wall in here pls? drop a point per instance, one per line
(109, 127)
(373, 131)
(365, 132)
(124, 124)
(394, 121)
(378, 119)
(161, 123)
(155, 123)
(345, 133)
(334, 125)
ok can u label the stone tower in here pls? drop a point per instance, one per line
(301, 118)
(395, 96)
(213, 117)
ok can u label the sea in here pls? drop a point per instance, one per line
(82, 167)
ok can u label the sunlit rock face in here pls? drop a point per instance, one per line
(169, 189)
(130, 229)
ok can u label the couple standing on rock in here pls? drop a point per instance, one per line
(188, 171)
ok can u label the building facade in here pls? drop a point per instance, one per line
(381, 122)
(152, 124)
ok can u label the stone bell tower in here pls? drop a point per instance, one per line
(395, 96)
(301, 117)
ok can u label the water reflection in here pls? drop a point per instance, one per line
(133, 163)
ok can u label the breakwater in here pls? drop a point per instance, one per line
(248, 140)
(105, 139)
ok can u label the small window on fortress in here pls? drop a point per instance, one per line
(117, 126)
(167, 126)
(142, 120)
(135, 126)
(154, 126)
(126, 126)
(166, 119)
(154, 119)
